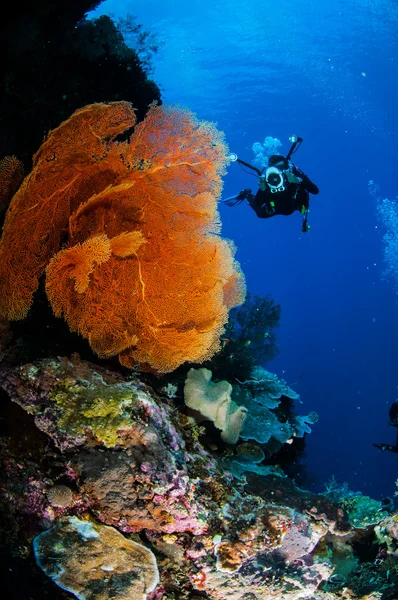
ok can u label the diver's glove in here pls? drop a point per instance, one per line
(244, 194)
(292, 178)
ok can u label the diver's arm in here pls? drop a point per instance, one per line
(307, 183)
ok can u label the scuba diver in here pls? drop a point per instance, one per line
(283, 188)
(393, 414)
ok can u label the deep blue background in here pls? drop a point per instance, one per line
(325, 70)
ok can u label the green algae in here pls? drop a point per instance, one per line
(92, 406)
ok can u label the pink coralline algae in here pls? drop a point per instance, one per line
(145, 486)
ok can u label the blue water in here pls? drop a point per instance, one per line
(326, 70)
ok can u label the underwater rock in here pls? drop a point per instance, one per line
(141, 488)
(266, 580)
(282, 490)
(76, 403)
(95, 562)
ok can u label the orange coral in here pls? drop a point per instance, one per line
(76, 161)
(145, 274)
(11, 176)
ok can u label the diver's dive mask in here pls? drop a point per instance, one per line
(275, 180)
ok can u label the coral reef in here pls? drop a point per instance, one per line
(154, 465)
(249, 338)
(106, 488)
(270, 418)
(77, 554)
(139, 220)
(155, 491)
(361, 510)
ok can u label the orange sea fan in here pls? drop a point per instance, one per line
(77, 160)
(127, 243)
(76, 263)
(68, 277)
(144, 274)
(11, 176)
(184, 280)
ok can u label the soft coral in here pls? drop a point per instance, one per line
(157, 303)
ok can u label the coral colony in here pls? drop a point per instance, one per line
(144, 274)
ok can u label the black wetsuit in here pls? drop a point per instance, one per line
(296, 196)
